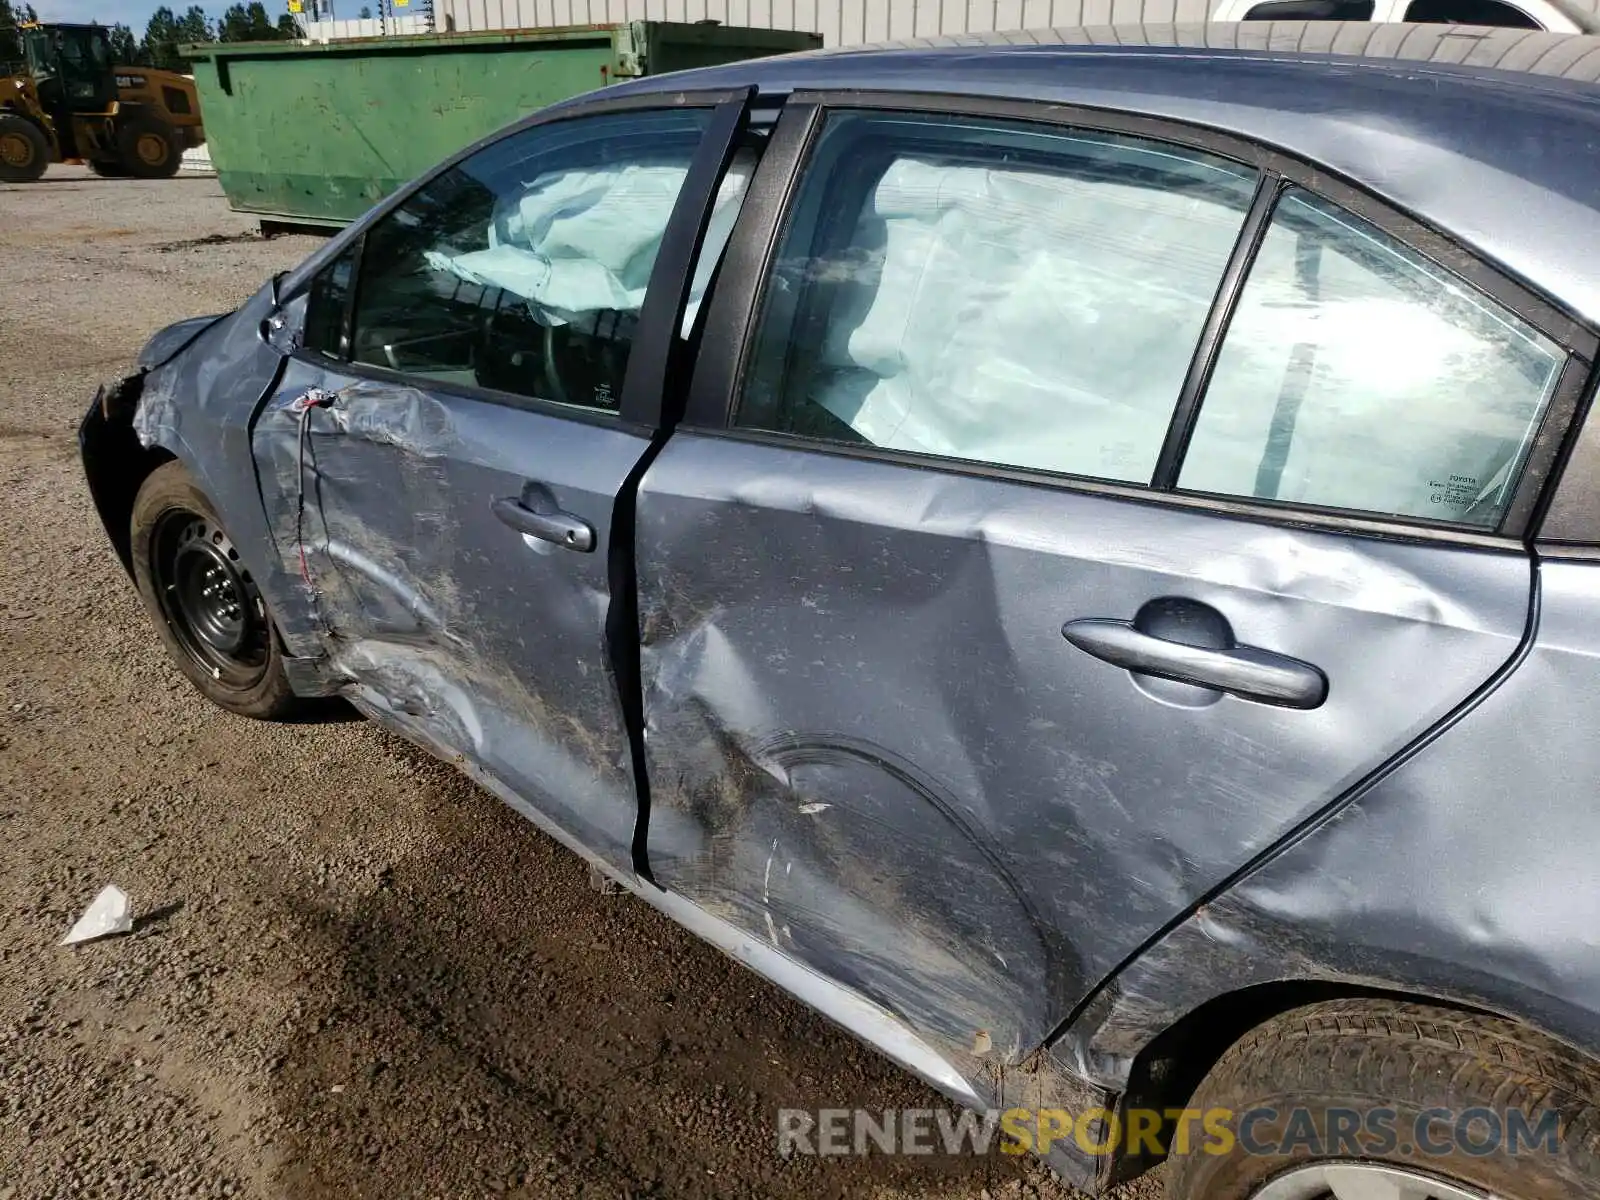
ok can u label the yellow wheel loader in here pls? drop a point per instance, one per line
(72, 103)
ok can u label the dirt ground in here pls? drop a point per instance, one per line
(353, 974)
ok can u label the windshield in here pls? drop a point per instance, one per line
(83, 51)
(36, 47)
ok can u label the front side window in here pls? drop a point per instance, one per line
(325, 307)
(993, 291)
(1357, 375)
(523, 269)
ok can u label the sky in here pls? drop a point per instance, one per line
(135, 14)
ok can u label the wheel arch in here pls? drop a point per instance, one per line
(115, 462)
(1167, 1072)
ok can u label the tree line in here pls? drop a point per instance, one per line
(165, 32)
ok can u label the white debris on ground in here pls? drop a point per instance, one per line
(111, 912)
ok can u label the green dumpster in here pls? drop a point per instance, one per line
(315, 134)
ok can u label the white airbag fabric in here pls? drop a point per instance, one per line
(1021, 317)
(578, 243)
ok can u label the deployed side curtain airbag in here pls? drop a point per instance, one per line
(1021, 317)
(576, 243)
(579, 243)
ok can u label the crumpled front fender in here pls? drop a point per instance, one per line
(168, 343)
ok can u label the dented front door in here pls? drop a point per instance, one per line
(444, 457)
(481, 640)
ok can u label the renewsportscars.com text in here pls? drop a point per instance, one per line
(1367, 1132)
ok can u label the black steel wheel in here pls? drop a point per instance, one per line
(207, 597)
(210, 614)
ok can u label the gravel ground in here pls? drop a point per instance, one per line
(354, 974)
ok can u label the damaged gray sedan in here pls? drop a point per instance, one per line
(1079, 563)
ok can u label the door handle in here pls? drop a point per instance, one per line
(556, 526)
(1244, 671)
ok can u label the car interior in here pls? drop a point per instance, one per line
(527, 282)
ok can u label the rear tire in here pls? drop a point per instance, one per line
(107, 169)
(24, 152)
(1361, 1056)
(209, 613)
(149, 147)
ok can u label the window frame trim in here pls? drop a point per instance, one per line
(1567, 523)
(640, 406)
(1296, 516)
(1213, 332)
(738, 302)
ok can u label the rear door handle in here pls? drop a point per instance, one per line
(556, 526)
(1244, 671)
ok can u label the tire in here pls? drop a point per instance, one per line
(107, 169)
(211, 618)
(149, 147)
(1365, 1055)
(24, 152)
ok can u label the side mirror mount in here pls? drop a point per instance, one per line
(284, 329)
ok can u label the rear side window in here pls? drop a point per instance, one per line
(993, 291)
(1357, 375)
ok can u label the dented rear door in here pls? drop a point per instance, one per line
(963, 735)
(443, 459)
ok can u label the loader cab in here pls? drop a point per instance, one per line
(72, 68)
(73, 105)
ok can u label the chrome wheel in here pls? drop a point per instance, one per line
(1363, 1181)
